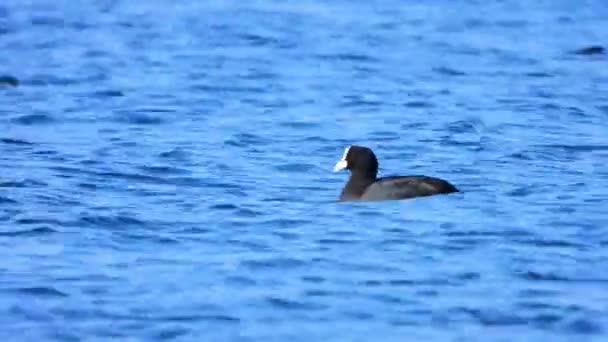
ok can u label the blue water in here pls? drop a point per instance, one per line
(166, 170)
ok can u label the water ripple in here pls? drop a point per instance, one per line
(109, 93)
(287, 304)
(141, 117)
(38, 231)
(8, 79)
(7, 200)
(41, 292)
(109, 221)
(34, 119)
(13, 141)
(447, 71)
(278, 263)
(171, 179)
(552, 277)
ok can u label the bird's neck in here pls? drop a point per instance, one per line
(359, 181)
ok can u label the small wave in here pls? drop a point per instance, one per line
(575, 148)
(9, 80)
(276, 199)
(418, 104)
(41, 291)
(199, 318)
(295, 167)
(246, 139)
(136, 177)
(273, 263)
(193, 231)
(287, 236)
(45, 80)
(300, 124)
(33, 119)
(258, 40)
(541, 242)
(245, 212)
(12, 141)
(512, 23)
(137, 118)
(535, 305)
(388, 298)
(350, 101)
(108, 93)
(449, 71)
(549, 276)
(523, 155)
(584, 326)
(294, 305)
(29, 221)
(384, 136)
(434, 282)
(359, 315)
(471, 125)
(539, 74)
(112, 221)
(337, 241)
(87, 185)
(7, 200)
(468, 276)
(414, 125)
(208, 183)
(590, 50)
(370, 213)
(241, 280)
(171, 333)
(259, 75)
(177, 154)
(163, 240)
(162, 170)
(46, 20)
(318, 293)
(214, 89)
(523, 191)
(29, 232)
(350, 57)
(312, 279)
(473, 233)
(316, 139)
(224, 206)
(285, 222)
(489, 317)
(475, 23)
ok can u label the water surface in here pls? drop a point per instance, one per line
(167, 171)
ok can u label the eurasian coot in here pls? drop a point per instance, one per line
(364, 185)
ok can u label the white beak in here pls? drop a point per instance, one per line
(341, 165)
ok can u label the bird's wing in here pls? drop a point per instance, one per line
(401, 187)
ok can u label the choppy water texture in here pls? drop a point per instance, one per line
(166, 170)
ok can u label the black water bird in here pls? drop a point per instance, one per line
(364, 185)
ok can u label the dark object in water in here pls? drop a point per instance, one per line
(364, 185)
(9, 80)
(591, 50)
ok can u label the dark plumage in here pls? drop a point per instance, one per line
(364, 185)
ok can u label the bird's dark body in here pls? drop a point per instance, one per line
(398, 187)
